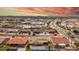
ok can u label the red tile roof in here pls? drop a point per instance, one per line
(18, 41)
(60, 40)
(1, 40)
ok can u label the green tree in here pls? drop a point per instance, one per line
(76, 44)
(56, 46)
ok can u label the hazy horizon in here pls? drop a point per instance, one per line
(38, 11)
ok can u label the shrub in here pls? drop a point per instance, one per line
(77, 44)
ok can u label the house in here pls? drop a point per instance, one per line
(38, 48)
(39, 43)
(24, 31)
(60, 40)
(18, 42)
(37, 31)
(37, 24)
(2, 30)
(50, 30)
(4, 39)
(11, 31)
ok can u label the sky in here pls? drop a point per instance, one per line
(38, 11)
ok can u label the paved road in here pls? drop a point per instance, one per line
(59, 29)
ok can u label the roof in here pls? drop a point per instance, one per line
(1, 40)
(4, 39)
(60, 40)
(5, 36)
(25, 30)
(39, 39)
(18, 41)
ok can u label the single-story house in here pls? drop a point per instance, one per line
(60, 40)
(50, 30)
(18, 42)
(39, 43)
(4, 39)
(24, 31)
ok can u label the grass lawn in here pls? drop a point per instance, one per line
(4, 48)
(27, 49)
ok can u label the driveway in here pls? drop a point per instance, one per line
(21, 49)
